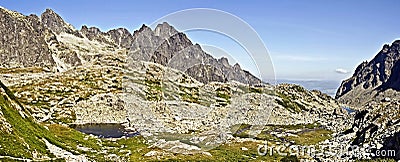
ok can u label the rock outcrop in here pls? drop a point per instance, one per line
(374, 130)
(120, 37)
(51, 43)
(55, 23)
(22, 41)
(94, 34)
(373, 80)
(168, 47)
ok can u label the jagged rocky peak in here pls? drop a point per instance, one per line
(165, 30)
(373, 76)
(13, 14)
(48, 41)
(144, 44)
(144, 35)
(93, 33)
(121, 36)
(237, 66)
(42, 42)
(55, 23)
(91, 30)
(143, 30)
(170, 47)
(224, 61)
(167, 46)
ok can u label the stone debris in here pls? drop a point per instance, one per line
(60, 153)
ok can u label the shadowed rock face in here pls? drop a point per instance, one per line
(165, 30)
(55, 23)
(94, 34)
(377, 75)
(116, 37)
(166, 46)
(121, 37)
(22, 41)
(30, 41)
(205, 73)
(393, 82)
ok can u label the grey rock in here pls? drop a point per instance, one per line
(144, 44)
(164, 30)
(370, 78)
(206, 73)
(180, 92)
(22, 41)
(55, 23)
(166, 46)
(121, 37)
(167, 49)
(94, 34)
(52, 44)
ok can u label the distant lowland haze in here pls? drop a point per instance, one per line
(325, 86)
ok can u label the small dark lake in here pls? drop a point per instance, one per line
(105, 130)
(349, 110)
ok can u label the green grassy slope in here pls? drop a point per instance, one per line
(25, 137)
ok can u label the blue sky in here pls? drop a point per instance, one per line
(306, 39)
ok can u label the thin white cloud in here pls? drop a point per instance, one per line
(341, 71)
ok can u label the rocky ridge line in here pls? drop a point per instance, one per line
(168, 47)
(374, 80)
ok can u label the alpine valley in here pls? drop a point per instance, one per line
(172, 101)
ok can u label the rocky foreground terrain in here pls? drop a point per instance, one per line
(180, 100)
(374, 91)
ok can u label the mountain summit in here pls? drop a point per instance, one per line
(373, 80)
(168, 47)
(30, 41)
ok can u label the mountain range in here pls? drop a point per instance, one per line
(177, 98)
(164, 45)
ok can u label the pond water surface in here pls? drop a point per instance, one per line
(105, 130)
(349, 110)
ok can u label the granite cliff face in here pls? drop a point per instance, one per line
(56, 24)
(45, 42)
(168, 47)
(120, 38)
(374, 80)
(22, 41)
